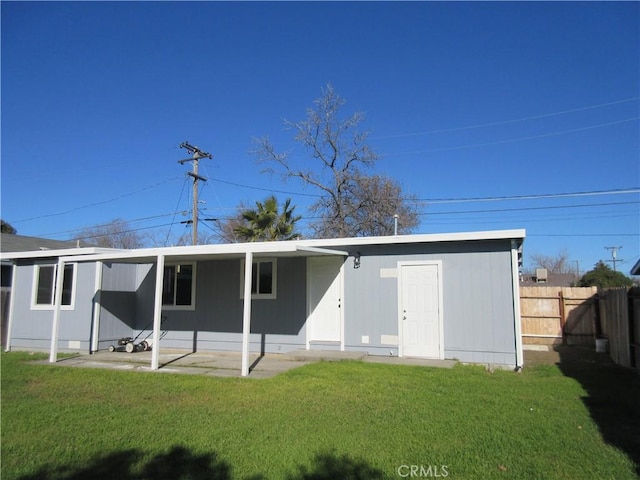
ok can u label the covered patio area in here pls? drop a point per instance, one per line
(249, 253)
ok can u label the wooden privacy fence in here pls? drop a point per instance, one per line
(579, 315)
(620, 319)
(552, 315)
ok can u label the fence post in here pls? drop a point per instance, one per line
(562, 316)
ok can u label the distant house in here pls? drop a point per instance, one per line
(441, 296)
(636, 269)
(541, 277)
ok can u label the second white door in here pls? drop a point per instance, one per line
(420, 307)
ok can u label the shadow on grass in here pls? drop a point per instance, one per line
(181, 464)
(327, 466)
(612, 397)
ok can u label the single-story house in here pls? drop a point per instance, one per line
(10, 242)
(442, 296)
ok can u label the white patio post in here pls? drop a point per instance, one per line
(515, 274)
(57, 302)
(157, 313)
(96, 308)
(246, 316)
(14, 276)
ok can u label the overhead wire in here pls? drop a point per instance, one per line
(512, 140)
(184, 184)
(505, 122)
(299, 194)
(523, 209)
(617, 191)
(80, 229)
(119, 197)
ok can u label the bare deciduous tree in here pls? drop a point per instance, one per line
(558, 263)
(336, 156)
(115, 234)
(371, 204)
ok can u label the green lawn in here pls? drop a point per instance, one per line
(326, 420)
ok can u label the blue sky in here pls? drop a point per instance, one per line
(463, 100)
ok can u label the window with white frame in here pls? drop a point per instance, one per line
(263, 279)
(178, 288)
(44, 288)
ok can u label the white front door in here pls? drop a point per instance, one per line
(420, 311)
(324, 285)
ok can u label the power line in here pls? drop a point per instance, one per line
(513, 140)
(266, 189)
(617, 191)
(80, 229)
(95, 204)
(504, 122)
(173, 220)
(434, 201)
(124, 231)
(500, 210)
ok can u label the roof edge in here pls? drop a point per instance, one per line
(57, 253)
(288, 246)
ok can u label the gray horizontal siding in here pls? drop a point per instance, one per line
(216, 323)
(477, 304)
(477, 295)
(32, 328)
(118, 302)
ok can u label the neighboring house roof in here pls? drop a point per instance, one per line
(636, 268)
(20, 243)
(553, 280)
(14, 247)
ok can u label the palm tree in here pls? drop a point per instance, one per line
(266, 223)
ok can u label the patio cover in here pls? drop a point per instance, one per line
(159, 256)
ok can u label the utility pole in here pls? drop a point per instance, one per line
(197, 154)
(614, 254)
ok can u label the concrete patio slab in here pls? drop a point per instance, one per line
(227, 364)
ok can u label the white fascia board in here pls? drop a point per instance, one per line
(518, 234)
(67, 252)
(321, 251)
(172, 253)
